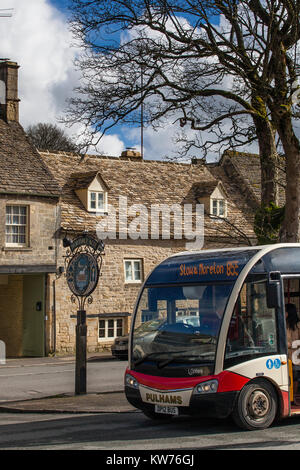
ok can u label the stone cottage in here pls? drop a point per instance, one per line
(29, 218)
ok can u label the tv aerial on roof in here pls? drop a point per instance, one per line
(6, 12)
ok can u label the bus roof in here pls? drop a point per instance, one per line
(240, 248)
(225, 264)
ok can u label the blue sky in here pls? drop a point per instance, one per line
(60, 4)
(38, 38)
(131, 137)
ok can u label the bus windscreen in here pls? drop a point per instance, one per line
(179, 324)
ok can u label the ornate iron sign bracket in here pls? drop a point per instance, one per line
(83, 262)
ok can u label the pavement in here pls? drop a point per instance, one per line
(107, 402)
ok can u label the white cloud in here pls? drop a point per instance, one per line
(37, 37)
(110, 145)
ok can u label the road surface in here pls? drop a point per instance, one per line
(22, 380)
(115, 433)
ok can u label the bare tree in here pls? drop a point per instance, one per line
(45, 136)
(231, 79)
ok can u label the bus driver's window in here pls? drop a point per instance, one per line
(252, 330)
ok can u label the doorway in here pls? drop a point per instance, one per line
(22, 314)
(292, 297)
(33, 315)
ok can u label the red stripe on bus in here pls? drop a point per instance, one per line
(228, 381)
(285, 403)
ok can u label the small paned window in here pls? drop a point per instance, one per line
(133, 270)
(110, 328)
(97, 201)
(218, 207)
(16, 226)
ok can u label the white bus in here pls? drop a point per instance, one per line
(208, 336)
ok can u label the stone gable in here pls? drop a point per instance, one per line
(245, 169)
(22, 171)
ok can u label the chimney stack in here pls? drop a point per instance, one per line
(131, 154)
(9, 101)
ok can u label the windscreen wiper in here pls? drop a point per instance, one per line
(171, 359)
(147, 356)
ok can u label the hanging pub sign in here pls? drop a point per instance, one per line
(83, 261)
(82, 274)
(83, 264)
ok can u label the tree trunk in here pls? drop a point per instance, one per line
(282, 117)
(290, 231)
(268, 161)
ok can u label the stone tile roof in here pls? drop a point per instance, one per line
(22, 170)
(143, 182)
(83, 180)
(201, 191)
(246, 168)
(241, 209)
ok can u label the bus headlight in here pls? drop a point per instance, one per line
(131, 381)
(211, 386)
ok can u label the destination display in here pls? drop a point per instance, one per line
(201, 268)
(230, 269)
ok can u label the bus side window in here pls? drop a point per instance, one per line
(252, 330)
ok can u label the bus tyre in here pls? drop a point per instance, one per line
(256, 406)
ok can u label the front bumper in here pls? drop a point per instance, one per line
(117, 352)
(219, 405)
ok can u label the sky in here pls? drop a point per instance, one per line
(38, 39)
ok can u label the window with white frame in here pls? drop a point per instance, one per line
(97, 201)
(218, 207)
(110, 328)
(16, 226)
(133, 270)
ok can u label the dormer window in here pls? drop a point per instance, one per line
(214, 198)
(92, 191)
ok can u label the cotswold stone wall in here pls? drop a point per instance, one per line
(18, 263)
(141, 182)
(43, 218)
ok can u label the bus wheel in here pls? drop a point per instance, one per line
(256, 406)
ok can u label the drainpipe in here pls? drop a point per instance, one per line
(54, 318)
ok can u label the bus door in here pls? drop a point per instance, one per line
(254, 346)
(291, 285)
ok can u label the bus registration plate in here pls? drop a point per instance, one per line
(166, 410)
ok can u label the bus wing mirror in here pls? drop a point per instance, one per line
(273, 295)
(273, 291)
